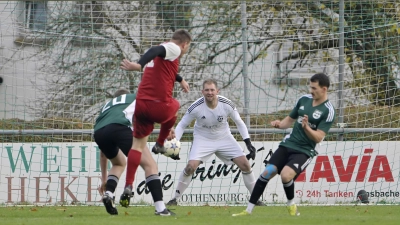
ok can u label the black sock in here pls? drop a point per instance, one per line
(153, 182)
(258, 189)
(112, 182)
(289, 190)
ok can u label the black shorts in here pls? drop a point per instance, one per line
(284, 156)
(113, 137)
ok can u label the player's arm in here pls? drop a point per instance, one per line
(171, 134)
(289, 120)
(283, 124)
(316, 135)
(244, 132)
(183, 83)
(323, 127)
(180, 128)
(103, 167)
(178, 78)
(146, 58)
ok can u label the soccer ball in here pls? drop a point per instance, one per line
(173, 147)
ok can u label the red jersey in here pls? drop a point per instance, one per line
(159, 75)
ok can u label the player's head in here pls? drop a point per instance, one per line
(319, 84)
(210, 89)
(182, 38)
(121, 91)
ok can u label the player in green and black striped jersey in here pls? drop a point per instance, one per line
(113, 135)
(312, 116)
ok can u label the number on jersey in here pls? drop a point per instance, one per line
(116, 101)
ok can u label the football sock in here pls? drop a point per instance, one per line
(154, 184)
(164, 130)
(249, 180)
(289, 190)
(183, 183)
(258, 190)
(109, 193)
(290, 202)
(112, 182)
(134, 157)
(250, 207)
(160, 206)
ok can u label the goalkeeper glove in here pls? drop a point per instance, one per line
(251, 148)
(175, 157)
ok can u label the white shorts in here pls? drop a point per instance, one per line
(225, 149)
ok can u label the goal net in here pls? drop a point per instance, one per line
(59, 63)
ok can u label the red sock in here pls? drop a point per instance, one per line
(132, 165)
(164, 130)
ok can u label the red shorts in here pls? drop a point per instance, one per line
(148, 112)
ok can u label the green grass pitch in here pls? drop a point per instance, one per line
(96, 215)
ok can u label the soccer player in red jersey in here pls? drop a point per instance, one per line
(154, 101)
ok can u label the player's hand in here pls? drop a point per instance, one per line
(276, 123)
(175, 157)
(252, 150)
(171, 134)
(304, 122)
(184, 86)
(250, 156)
(127, 65)
(102, 188)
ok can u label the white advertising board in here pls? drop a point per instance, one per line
(54, 173)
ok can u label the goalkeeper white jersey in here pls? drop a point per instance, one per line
(212, 123)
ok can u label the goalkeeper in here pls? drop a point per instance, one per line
(212, 136)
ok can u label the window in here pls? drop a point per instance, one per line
(35, 15)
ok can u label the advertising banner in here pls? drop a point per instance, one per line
(69, 173)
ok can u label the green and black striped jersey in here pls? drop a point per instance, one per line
(320, 117)
(119, 110)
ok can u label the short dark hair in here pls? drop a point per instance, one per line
(121, 91)
(210, 81)
(181, 36)
(322, 79)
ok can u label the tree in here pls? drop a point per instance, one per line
(81, 57)
(89, 39)
(371, 43)
(372, 38)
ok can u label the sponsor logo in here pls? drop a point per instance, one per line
(64, 172)
(354, 171)
(300, 120)
(317, 114)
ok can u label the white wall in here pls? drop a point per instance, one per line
(17, 89)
